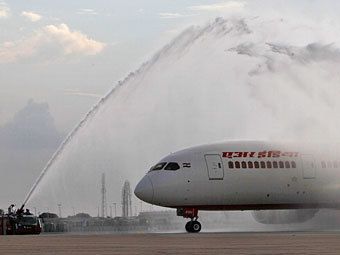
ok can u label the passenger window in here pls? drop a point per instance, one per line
(250, 164)
(275, 165)
(263, 164)
(244, 164)
(237, 164)
(323, 164)
(158, 166)
(281, 164)
(172, 166)
(294, 164)
(231, 164)
(269, 164)
(256, 164)
(287, 164)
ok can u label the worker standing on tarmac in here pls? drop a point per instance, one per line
(12, 218)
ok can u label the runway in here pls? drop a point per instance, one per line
(180, 243)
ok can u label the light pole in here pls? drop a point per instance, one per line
(59, 208)
(115, 205)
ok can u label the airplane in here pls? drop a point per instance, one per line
(244, 175)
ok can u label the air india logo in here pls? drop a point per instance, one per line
(260, 154)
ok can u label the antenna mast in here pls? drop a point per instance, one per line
(103, 190)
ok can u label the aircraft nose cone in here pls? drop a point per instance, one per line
(144, 190)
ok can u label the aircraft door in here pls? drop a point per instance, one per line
(214, 166)
(308, 167)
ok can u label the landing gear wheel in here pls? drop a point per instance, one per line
(188, 226)
(196, 226)
(193, 226)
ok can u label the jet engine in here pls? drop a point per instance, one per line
(284, 216)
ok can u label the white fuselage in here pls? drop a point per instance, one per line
(246, 175)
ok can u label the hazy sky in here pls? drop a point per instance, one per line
(69, 53)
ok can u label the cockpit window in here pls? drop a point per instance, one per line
(172, 166)
(158, 166)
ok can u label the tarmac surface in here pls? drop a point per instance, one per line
(174, 243)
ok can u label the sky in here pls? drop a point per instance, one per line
(58, 58)
(68, 54)
(71, 54)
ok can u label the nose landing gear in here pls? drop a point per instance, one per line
(192, 226)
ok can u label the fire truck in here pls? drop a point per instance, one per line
(21, 224)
